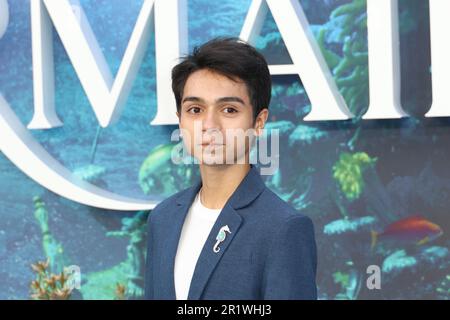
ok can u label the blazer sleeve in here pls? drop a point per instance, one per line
(148, 291)
(290, 269)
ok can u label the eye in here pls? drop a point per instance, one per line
(230, 110)
(193, 109)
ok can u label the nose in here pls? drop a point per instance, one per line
(210, 121)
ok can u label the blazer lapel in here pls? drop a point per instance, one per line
(249, 188)
(208, 259)
(174, 224)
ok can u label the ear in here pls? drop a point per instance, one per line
(178, 115)
(261, 120)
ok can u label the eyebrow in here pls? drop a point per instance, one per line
(220, 100)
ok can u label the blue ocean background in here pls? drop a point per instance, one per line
(405, 161)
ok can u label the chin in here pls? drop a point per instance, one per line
(213, 160)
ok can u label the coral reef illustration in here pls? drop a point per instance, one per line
(378, 191)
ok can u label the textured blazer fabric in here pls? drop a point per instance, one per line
(269, 253)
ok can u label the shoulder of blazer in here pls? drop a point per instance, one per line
(277, 209)
(271, 217)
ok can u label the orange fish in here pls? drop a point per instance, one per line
(415, 229)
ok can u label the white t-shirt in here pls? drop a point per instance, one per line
(196, 228)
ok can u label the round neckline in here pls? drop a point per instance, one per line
(205, 207)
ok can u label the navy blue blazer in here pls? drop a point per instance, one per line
(269, 254)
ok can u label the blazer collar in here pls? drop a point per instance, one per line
(249, 188)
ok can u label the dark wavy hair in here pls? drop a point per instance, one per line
(232, 58)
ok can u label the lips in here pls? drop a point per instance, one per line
(211, 144)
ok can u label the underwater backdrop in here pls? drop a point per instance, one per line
(378, 191)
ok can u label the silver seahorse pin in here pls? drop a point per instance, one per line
(221, 237)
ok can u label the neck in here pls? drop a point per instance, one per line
(219, 182)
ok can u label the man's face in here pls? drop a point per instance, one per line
(214, 111)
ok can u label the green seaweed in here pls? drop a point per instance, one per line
(351, 73)
(53, 249)
(135, 229)
(348, 172)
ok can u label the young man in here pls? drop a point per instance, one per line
(228, 236)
